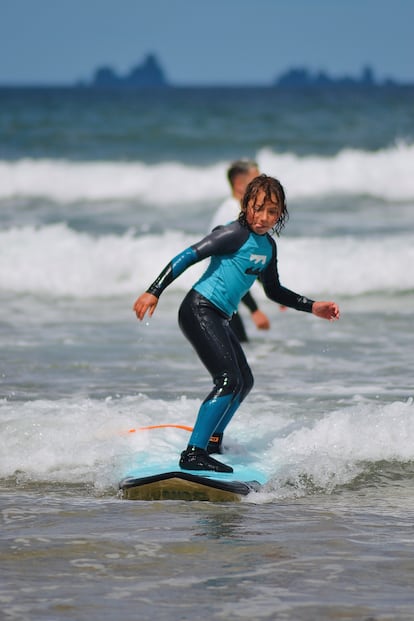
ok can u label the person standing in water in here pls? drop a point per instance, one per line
(239, 175)
(240, 253)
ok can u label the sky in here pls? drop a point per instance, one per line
(216, 42)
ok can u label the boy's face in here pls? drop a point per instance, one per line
(262, 214)
(242, 181)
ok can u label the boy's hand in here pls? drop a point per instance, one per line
(261, 321)
(326, 310)
(145, 302)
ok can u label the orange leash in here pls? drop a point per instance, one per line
(185, 427)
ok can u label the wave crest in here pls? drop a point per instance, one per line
(385, 173)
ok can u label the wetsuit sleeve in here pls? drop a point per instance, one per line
(171, 271)
(276, 292)
(223, 240)
(250, 302)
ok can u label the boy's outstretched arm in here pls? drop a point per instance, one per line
(326, 310)
(145, 302)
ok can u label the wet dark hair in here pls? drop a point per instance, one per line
(240, 167)
(272, 189)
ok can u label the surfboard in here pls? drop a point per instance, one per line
(165, 480)
(191, 485)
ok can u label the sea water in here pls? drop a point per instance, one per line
(98, 191)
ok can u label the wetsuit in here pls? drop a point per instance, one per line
(238, 258)
(228, 212)
(236, 322)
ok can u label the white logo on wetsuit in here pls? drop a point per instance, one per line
(258, 258)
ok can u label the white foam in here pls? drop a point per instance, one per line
(386, 173)
(67, 181)
(348, 265)
(83, 440)
(56, 260)
(336, 449)
(90, 441)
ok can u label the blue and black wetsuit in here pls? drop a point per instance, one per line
(238, 258)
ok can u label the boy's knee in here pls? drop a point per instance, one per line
(236, 384)
(228, 383)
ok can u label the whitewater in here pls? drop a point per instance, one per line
(385, 174)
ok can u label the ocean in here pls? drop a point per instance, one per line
(98, 191)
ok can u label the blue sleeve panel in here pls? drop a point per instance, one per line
(183, 260)
(174, 269)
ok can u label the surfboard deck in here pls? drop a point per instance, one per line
(157, 477)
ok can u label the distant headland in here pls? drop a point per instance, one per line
(147, 74)
(150, 74)
(302, 77)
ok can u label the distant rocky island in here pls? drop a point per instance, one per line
(302, 77)
(150, 74)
